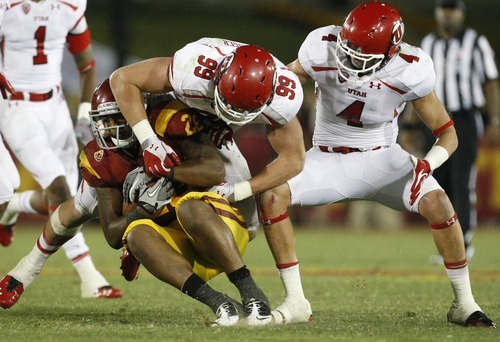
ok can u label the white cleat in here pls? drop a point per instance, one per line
(227, 315)
(258, 313)
(293, 312)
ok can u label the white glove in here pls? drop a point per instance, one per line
(155, 197)
(133, 182)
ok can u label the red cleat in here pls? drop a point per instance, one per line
(108, 292)
(130, 265)
(10, 291)
(7, 234)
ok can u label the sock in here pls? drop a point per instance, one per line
(242, 279)
(78, 252)
(460, 282)
(19, 203)
(290, 277)
(31, 265)
(198, 289)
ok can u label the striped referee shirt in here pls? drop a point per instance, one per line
(463, 64)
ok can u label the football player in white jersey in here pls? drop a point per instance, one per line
(37, 124)
(9, 177)
(229, 81)
(232, 83)
(364, 75)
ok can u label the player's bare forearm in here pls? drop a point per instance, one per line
(433, 114)
(129, 82)
(88, 73)
(203, 165)
(112, 222)
(288, 142)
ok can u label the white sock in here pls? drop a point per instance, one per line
(30, 266)
(460, 282)
(290, 277)
(78, 252)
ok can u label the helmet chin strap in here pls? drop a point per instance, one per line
(123, 143)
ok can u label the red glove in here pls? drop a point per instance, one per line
(420, 173)
(159, 158)
(5, 85)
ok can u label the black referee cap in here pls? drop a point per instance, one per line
(451, 4)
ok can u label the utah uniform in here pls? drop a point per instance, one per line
(37, 123)
(191, 74)
(360, 117)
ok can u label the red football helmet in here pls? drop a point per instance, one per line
(244, 85)
(107, 122)
(370, 37)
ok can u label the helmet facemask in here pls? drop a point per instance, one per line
(359, 66)
(110, 127)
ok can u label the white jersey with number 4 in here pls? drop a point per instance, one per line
(192, 76)
(362, 115)
(34, 36)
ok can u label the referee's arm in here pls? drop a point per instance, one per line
(492, 93)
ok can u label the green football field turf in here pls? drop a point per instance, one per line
(362, 285)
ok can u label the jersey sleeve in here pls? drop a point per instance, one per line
(287, 99)
(315, 52)
(418, 73)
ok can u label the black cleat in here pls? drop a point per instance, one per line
(479, 319)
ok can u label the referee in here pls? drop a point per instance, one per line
(466, 83)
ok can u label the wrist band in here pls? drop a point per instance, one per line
(83, 111)
(436, 156)
(143, 130)
(242, 190)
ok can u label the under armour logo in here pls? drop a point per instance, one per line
(373, 85)
(451, 221)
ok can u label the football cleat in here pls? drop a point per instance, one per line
(479, 319)
(130, 265)
(293, 312)
(257, 312)
(469, 316)
(7, 234)
(108, 292)
(10, 291)
(227, 315)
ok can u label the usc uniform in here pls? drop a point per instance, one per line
(354, 153)
(191, 75)
(36, 123)
(173, 123)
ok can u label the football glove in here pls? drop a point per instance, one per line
(155, 197)
(133, 182)
(221, 135)
(159, 158)
(422, 170)
(5, 86)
